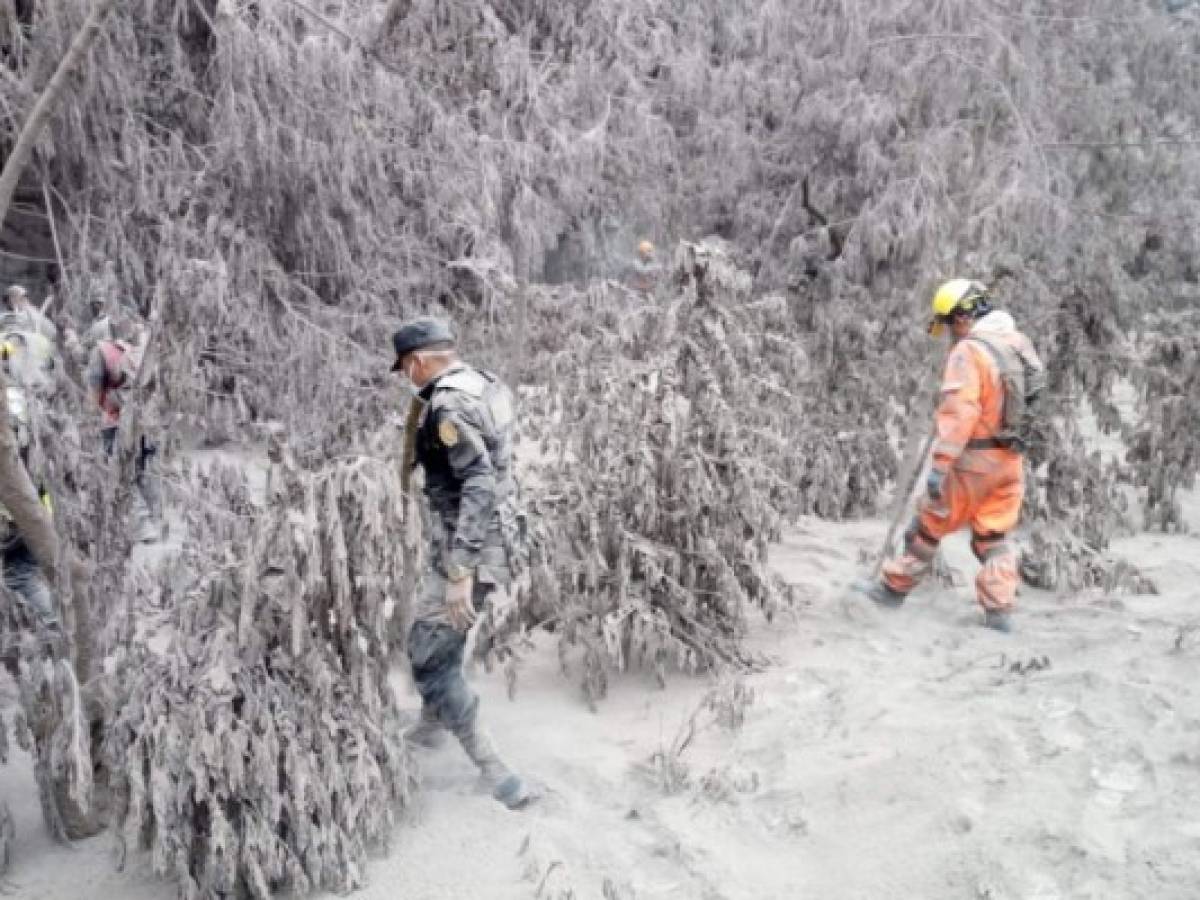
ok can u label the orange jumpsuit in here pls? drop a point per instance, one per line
(983, 485)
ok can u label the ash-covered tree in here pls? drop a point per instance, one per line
(254, 739)
(654, 500)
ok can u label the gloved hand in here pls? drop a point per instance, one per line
(459, 608)
(933, 485)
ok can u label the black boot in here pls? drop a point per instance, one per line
(997, 621)
(880, 593)
(506, 786)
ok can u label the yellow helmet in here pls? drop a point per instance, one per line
(645, 249)
(959, 295)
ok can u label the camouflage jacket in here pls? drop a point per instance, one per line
(465, 445)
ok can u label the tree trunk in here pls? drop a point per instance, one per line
(20, 498)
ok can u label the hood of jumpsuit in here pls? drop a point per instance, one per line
(995, 322)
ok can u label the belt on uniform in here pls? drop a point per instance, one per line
(991, 443)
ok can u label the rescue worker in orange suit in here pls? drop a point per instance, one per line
(976, 478)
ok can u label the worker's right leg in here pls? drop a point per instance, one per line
(996, 583)
(935, 520)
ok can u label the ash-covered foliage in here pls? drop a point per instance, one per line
(60, 714)
(276, 183)
(1077, 501)
(1163, 451)
(656, 493)
(254, 740)
(337, 170)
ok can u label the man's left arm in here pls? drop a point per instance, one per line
(472, 466)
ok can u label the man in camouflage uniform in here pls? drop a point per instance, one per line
(462, 437)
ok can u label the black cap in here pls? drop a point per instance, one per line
(420, 333)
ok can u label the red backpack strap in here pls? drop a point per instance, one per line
(114, 356)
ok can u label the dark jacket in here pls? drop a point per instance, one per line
(465, 446)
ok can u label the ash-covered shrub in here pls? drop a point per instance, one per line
(655, 497)
(255, 740)
(1163, 450)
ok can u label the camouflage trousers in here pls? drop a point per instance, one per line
(24, 577)
(435, 651)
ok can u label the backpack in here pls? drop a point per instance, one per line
(1024, 380)
(30, 361)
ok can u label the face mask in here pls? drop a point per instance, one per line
(406, 380)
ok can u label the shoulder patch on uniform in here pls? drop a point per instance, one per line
(448, 433)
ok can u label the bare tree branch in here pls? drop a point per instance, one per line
(397, 11)
(49, 98)
(1094, 145)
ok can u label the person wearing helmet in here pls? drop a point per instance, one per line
(976, 474)
(461, 434)
(100, 328)
(21, 573)
(111, 372)
(645, 270)
(19, 314)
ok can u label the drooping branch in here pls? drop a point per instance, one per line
(44, 108)
(837, 238)
(397, 11)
